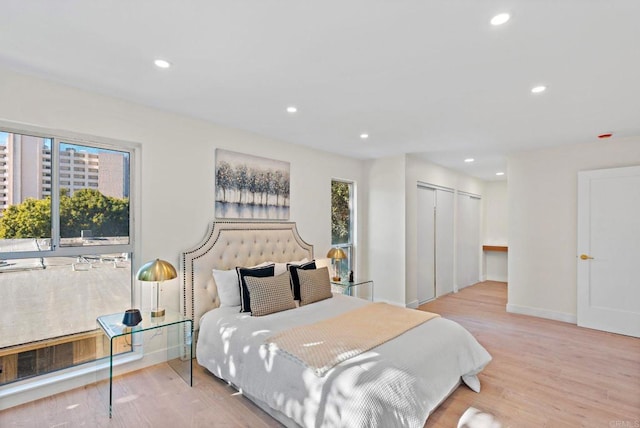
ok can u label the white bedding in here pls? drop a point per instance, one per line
(398, 383)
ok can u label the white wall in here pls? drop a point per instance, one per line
(418, 169)
(178, 154)
(542, 201)
(495, 230)
(386, 228)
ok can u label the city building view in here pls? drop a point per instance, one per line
(25, 168)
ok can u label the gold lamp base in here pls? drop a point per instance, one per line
(156, 313)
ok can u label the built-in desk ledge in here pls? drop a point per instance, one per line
(499, 248)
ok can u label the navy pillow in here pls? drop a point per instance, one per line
(260, 272)
(295, 281)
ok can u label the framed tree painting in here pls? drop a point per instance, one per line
(251, 187)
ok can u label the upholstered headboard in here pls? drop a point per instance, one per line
(230, 244)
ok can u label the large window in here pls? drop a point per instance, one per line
(342, 221)
(65, 249)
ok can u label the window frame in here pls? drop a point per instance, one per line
(57, 138)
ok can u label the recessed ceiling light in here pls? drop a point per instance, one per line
(364, 136)
(500, 19)
(500, 173)
(292, 109)
(469, 160)
(538, 89)
(161, 63)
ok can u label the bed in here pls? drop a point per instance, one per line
(396, 383)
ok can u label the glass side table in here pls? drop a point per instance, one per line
(357, 288)
(175, 330)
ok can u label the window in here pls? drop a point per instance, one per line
(62, 251)
(342, 221)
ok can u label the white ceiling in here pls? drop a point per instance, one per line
(419, 76)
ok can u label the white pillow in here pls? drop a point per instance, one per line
(228, 290)
(320, 263)
(281, 268)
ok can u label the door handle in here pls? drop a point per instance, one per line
(585, 257)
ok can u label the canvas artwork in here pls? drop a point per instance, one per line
(251, 187)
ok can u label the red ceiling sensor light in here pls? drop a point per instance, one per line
(607, 135)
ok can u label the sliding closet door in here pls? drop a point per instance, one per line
(444, 242)
(426, 244)
(468, 240)
(435, 242)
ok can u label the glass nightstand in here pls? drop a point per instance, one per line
(357, 288)
(171, 333)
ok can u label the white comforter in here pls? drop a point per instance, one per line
(398, 383)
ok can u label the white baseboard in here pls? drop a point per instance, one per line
(413, 305)
(542, 313)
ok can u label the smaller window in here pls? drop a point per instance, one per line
(342, 220)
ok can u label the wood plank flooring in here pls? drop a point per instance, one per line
(543, 374)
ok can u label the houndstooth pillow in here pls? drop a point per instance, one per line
(269, 294)
(314, 285)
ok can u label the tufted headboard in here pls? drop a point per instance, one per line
(230, 244)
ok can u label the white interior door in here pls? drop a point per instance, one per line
(609, 250)
(444, 242)
(468, 240)
(426, 244)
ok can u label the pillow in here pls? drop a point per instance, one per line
(227, 284)
(295, 282)
(323, 263)
(270, 294)
(282, 267)
(314, 285)
(261, 272)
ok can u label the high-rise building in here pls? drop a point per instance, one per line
(25, 169)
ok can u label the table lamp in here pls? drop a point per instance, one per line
(157, 271)
(336, 254)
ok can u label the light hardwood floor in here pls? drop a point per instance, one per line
(543, 374)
